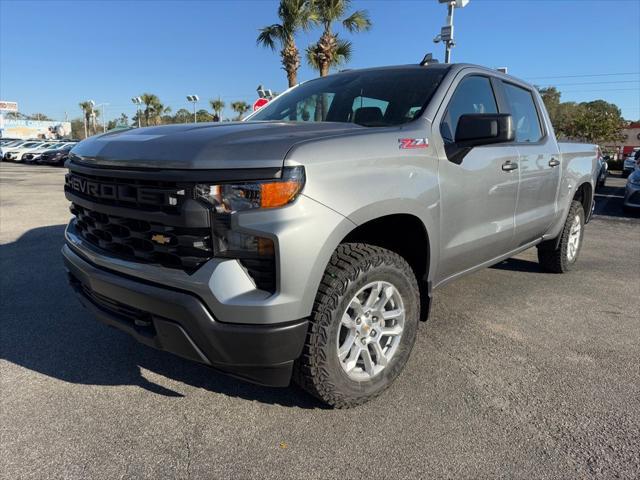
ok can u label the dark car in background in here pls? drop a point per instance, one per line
(57, 156)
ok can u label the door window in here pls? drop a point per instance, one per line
(524, 113)
(473, 95)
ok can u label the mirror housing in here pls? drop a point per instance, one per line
(477, 129)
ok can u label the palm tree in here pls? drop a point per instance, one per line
(154, 109)
(294, 15)
(330, 50)
(87, 113)
(240, 108)
(217, 106)
(158, 111)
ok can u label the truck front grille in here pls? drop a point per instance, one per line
(133, 239)
(139, 194)
(141, 218)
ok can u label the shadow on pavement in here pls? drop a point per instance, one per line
(44, 328)
(518, 265)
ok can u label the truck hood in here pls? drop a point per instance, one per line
(204, 146)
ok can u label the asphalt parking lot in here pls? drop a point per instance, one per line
(518, 374)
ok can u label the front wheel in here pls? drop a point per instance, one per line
(559, 255)
(362, 327)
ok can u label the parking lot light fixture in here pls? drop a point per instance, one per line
(193, 99)
(446, 32)
(137, 101)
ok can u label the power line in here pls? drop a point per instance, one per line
(594, 83)
(604, 90)
(585, 75)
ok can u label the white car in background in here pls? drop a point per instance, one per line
(16, 153)
(33, 155)
(4, 147)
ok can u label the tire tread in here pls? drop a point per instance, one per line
(347, 262)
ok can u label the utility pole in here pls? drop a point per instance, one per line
(446, 32)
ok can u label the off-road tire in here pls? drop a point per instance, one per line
(352, 266)
(552, 254)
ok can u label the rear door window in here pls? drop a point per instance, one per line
(473, 95)
(524, 113)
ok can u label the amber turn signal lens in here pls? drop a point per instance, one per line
(277, 194)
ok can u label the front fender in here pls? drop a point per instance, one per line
(427, 214)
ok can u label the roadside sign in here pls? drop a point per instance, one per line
(8, 106)
(259, 103)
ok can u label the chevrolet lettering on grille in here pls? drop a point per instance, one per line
(119, 193)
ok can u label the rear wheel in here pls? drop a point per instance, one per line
(559, 255)
(362, 327)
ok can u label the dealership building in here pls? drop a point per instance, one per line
(22, 128)
(34, 128)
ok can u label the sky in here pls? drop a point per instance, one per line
(55, 54)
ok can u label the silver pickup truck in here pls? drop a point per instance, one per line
(306, 241)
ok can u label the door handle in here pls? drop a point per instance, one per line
(554, 163)
(509, 166)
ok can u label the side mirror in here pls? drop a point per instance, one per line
(484, 129)
(476, 129)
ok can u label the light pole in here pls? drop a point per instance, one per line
(93, 115)
(104, 118)
(84, 121)
(446, 32)
(137, 101)
(193, 99)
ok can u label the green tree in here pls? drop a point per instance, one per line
(38, 116)
(599, 122)
(240, 108)
(123, 120)
(15, 116)
(595, 122)
(294, 15)
(154, 109)
(183, 116)
(217, 106)
(77, 128)
(330, 50)
(551, 98)
(203, 116)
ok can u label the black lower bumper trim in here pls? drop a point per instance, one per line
(179, 323)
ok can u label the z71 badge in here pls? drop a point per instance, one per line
(410, 143)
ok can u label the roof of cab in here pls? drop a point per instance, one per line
(454, 67)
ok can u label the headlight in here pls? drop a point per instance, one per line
(235, 197)
(256, 253)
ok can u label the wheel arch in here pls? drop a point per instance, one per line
(584, 195)
(408, 236)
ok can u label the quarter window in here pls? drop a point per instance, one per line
(524, 113)
(473, 95)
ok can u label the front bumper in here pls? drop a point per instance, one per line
(179, 322)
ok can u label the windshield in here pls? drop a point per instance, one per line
(372, 98)
(29, 145)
